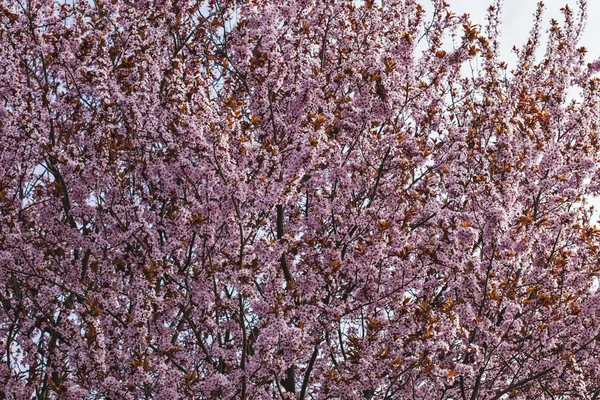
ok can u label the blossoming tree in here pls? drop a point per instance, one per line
(294, 199)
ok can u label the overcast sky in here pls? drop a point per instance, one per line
(517, 20)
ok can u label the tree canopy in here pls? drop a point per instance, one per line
(299, 199)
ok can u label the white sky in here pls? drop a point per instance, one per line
(517, 21)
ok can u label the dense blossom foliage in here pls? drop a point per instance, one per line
(294, 199)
